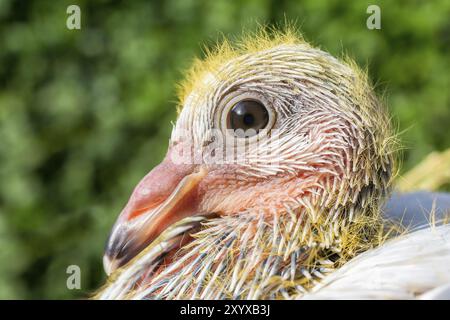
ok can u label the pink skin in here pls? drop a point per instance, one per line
(231, 195)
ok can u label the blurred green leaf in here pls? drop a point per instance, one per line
(85, 114)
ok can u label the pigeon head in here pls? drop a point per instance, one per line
(277, 166)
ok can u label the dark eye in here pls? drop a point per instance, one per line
(248, 114)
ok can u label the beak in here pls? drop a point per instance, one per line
(164, 196)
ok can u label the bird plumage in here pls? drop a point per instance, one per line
(413, 266)
(281, 214)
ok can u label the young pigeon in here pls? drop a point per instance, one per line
(277, 170)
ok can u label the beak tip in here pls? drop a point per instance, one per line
(108, 265)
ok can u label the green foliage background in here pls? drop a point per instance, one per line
(85, 114)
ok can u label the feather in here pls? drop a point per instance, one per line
(413, 266)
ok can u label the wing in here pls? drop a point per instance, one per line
(413, 266)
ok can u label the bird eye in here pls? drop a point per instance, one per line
(248, 114)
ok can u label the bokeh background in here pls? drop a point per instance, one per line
(84, 114)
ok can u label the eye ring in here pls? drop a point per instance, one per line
(257, 106)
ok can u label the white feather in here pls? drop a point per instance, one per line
(412, 266)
